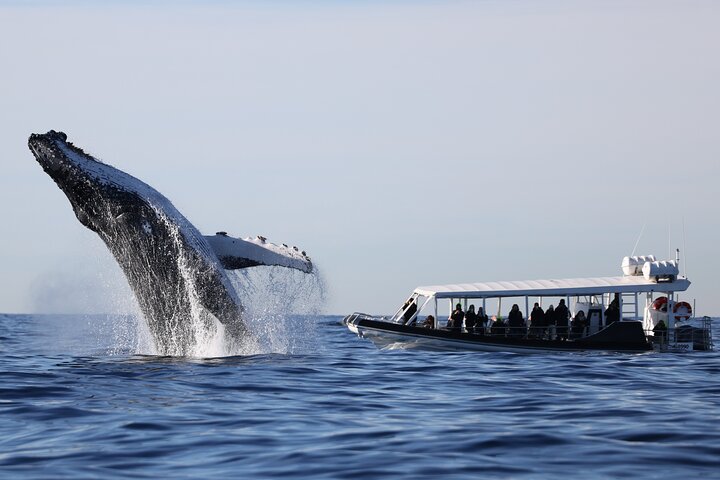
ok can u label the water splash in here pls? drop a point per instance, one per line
(279, 307)
(130, 331)
(280, 304)
(271, 297)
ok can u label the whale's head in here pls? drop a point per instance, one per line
(100, 194)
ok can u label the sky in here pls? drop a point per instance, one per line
(399, 143)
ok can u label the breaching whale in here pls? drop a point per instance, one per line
(177, 275)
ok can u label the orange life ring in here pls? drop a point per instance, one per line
(685, 314)
(660, 304)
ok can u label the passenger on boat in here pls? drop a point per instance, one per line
(578, 324)
(660, 331)
(456, 318)
(429, 322)
(481, 324)
(516, 322)
(498, 328)
(561, 320)
(612, 313)
(410, 308)
(537, 322)
(470, 319)
(550, 322)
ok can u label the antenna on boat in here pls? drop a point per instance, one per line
(669, 243)
(684, 249)
(638, 239)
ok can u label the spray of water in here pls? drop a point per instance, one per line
(281, 306)
(73, 292)
(129, 331)
(277, 307)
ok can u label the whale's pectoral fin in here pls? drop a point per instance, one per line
(235, 253)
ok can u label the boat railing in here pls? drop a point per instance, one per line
(698, 333)
(354, 317)
(539, 333)
(707, 331)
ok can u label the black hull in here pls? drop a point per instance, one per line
(617, 337)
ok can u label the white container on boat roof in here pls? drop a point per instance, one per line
(633, 266)
(667, 268)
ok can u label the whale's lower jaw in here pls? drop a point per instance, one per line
(179, 283)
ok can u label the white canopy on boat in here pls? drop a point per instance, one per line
(551, 288)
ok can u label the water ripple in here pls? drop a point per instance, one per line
(348, 410)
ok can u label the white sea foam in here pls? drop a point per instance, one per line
(280, 306)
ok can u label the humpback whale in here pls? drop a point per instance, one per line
(177, 274)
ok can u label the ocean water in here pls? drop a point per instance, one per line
(76, 401)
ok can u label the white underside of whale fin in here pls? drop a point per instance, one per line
(235, 253)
